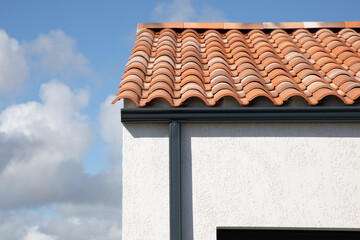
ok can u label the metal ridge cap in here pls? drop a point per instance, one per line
(263, 25)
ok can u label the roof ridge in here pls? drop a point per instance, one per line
(263, 25)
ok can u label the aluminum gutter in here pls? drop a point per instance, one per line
(243, 114)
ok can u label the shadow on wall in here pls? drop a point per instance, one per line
(148, 130)
(313, 130)
(187, 188)
(328, 130)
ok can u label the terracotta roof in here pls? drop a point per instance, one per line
(178, 61)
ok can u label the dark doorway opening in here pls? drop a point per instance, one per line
(286, 234)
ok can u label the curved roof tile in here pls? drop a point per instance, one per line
(244, 62)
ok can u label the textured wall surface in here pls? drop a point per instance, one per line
(249, 175)
(145, 182)
(270, 175)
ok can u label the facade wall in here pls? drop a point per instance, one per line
(243, 175)
(145, 182)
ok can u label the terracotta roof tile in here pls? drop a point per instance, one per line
(352, 24)
(210, 61)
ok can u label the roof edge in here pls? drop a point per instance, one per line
(246, 114)
(248, 26)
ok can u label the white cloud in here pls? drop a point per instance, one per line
(52, 54)
(73, 222)
(34, 234)
(13, 65)
(94, 222)
(14, 227)
(41, 148)
(110, 127)
(43, 145)
(176, 11)
(56, 53)
(185, 11)
(209, 14)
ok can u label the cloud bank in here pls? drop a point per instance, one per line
(52, 54)
(56, 53)
(45, 194)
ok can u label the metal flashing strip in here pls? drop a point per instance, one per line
(175, 180)
(242, 114)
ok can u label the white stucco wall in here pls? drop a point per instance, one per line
(145, 182)
(248, 175)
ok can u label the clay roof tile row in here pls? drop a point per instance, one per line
(210, 64)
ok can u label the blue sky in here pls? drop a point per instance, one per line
(60, 138)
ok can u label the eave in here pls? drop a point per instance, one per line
(242, 114)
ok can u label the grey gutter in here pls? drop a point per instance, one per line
(242, 114)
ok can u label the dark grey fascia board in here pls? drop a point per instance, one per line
(242, 114)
